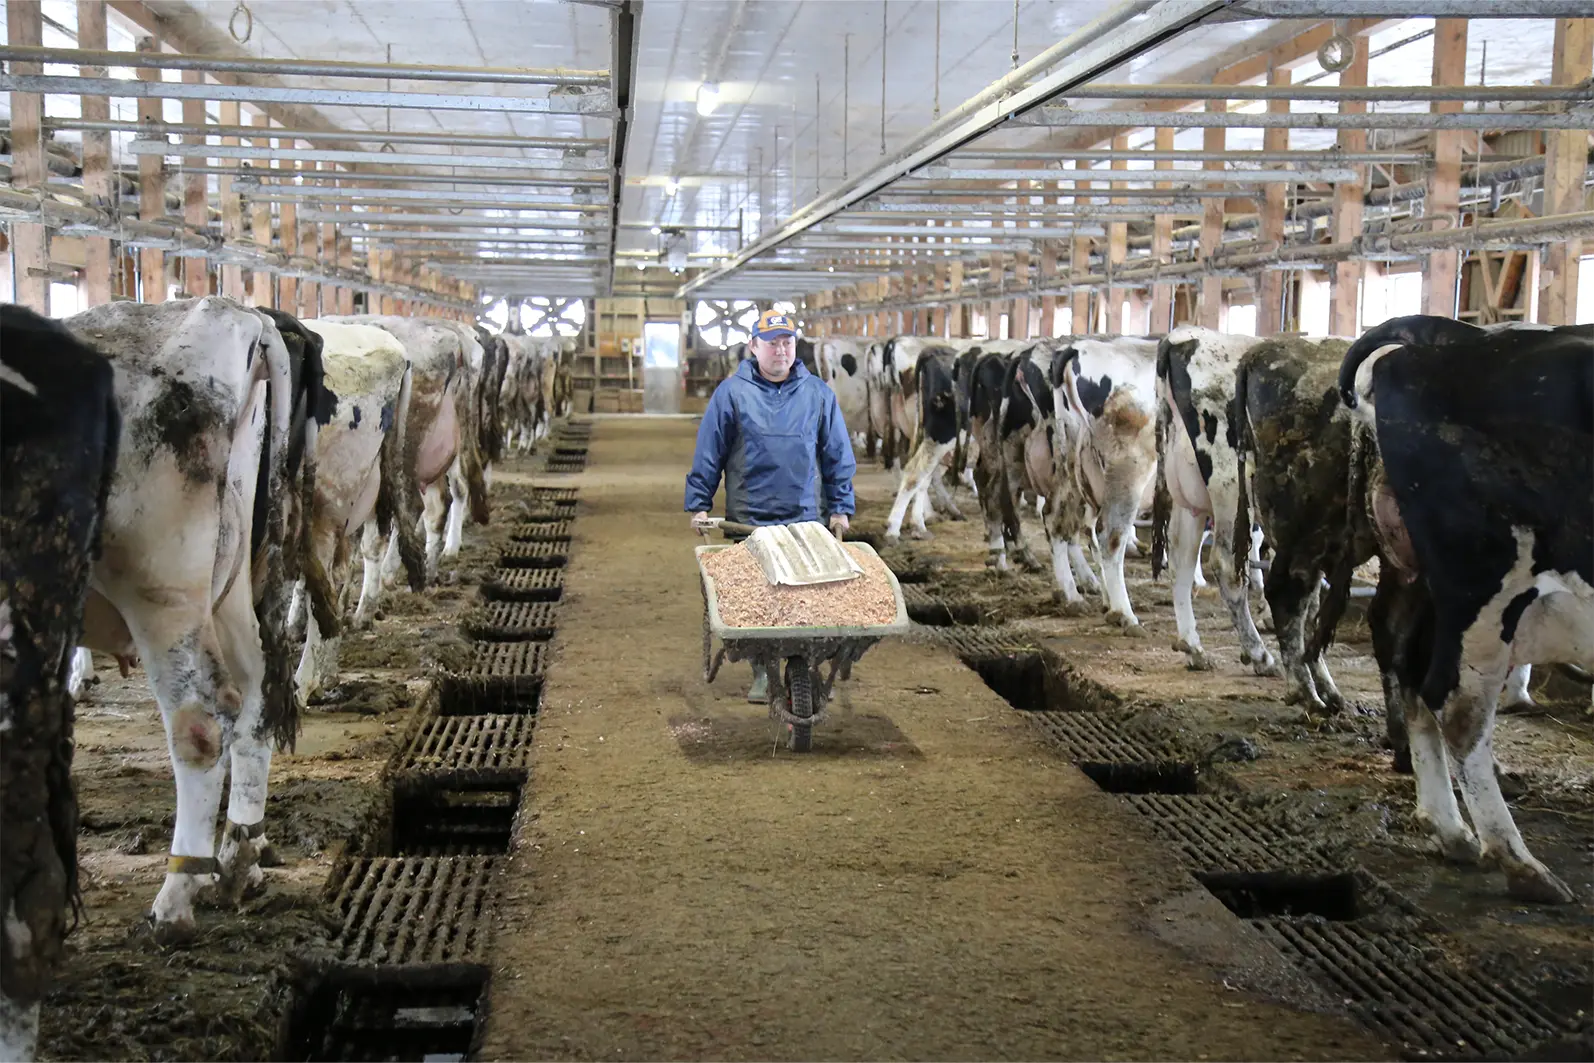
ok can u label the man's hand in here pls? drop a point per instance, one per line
(696, 525)
(839, 524)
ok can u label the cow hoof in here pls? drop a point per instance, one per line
(921, 534)
(893, 537)
(1522, 705)
(1199, 661)
(1128, 624)
(1077, 607)
(173, 933)
(1527, 882)
(1461, 848)
(1267, 667)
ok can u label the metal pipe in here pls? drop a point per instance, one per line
(472, 140)
(1337, 9)
(539, 178)
(364, 219)
(1118, 36)
(1059, 117)
(589, 105)
(1342, 93)
(1004, 195)
(380, 158)
(1211, 177)
(267, 178)
(291, 193)
(320, 68)
(931, 212)
(411, 236)
(1331, 157)
(936, 237)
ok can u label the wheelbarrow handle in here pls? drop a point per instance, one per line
(730, 527)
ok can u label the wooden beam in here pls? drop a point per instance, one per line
(1020, 319)
(958, 326)
(1048, 302)
(151, 189)
(1162, 250)
(288, 243)
(30, 243)
(91, 35)
(309, 247)
(196, 209)
(329, 260)
(1117, 250)
(232, 208)
(1348, 198)
(1079, 264)
(346, 260)
(1269, 283)
(1210, 307)
(1442, 268)
(1564, 162)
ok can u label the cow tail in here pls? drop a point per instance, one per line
(1162, 498)
(1332, 604)
(279, 717)
(1400, 331)
(397, 502)
(1243, 442)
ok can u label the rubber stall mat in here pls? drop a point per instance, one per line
(398, 910)
(511, 622)
(1397, 985)
(549, 553)
(524, 585)
(541, 532)
(471, 752)
(1214, 832)
(1102, 738)
(501, 677)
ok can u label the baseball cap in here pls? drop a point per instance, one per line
(772, 323)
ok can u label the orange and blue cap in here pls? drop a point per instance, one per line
(772, 323)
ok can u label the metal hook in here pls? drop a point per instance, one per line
(249, 25)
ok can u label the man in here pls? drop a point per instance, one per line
(775, 432)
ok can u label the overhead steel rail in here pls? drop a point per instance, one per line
(589, 105)
(1315, 177)
(263, 177)
(1479, 121)
(472, 140)
(1342, 93)
(1335, 9)
(319, 68)
(1021, 211)
(1327, 157)
(277, 193)
(382, 158)
(360, 221)
(1100, 191)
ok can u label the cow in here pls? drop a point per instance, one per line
(1198, 477)
(494, 367)
(1105, 469)
(204, 538)
(443, 445)
(524, 402)
(842, 366)
(1483, 508)
(60, 426)
(360, 481)
(1006, 398)
(881, 385)
(934, 417)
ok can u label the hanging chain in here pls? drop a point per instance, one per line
(1015, 34)
(249, 23)
(883, 32)
(846, 98)
(936, 113)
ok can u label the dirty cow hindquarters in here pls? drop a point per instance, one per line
(59, 431)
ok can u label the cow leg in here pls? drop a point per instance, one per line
(1184, 553)
(1234, 588)
(986, 490)
(1120, 611)
(82, 671)
(458, 500)
(434, 514)
(1290, 592)
(371, 549)
(1516, 697)
(306, 682)
(19, 1026)
(944, 503)
(1436, 801)
(1201, 576)
(244, 840)
(915, 488)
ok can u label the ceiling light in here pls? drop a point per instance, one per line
(831, 268)
(671, 186)
(708, 98)
(655, 230)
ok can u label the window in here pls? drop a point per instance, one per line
(65, 299)
(1062, 321)
(661, 345)
(723, 322)
(1003, 329)
(552, 316)
(1242, 320)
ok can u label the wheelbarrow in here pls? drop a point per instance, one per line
(792, 657)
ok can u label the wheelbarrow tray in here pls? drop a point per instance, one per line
(726, 633)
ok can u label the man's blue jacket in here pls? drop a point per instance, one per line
(774, 443)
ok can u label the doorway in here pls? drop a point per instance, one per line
(661, 367)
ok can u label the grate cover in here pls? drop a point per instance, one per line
(502, 677)
(1215, 833)
(549, 553)
(524, 585)
(567, 495)
(571, 451)
(511, 621)
(541, 531)
(1101, 738)
(1396, 985)
(437, 821)
(471, 752)
(971, 644)
(561, 468)
(399, 910)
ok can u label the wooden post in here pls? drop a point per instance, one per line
(1564, 161)
(938, 315)
(1348, 199)
(1440, 272)
(329, 261)
(1048, 302)
(91, 36)
(310, 247)
(288, 242)
(262, 285)
(1162, 250)
(1079, 264)
(1020, 319)
(956, 327)
(196, 213)
(346, 260)
(1210, 307)
(151, 190)
(30, 243)
(1117, 248)
(232, 208)
(1270, 282)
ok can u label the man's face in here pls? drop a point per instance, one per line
(775, 357)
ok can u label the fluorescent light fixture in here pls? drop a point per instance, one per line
(655, 230)
(671, 186)
(708, 98)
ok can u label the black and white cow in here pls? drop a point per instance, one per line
(1104, 394)
(1199, 477)
(1009, 421)
(59, 430)
(201, 551)
(360, 481)
(841, 362)
(523, 401)
(934, 412)
(1484, 513)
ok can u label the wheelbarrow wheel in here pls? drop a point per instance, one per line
(800, 686)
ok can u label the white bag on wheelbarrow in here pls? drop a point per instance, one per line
(801, 555)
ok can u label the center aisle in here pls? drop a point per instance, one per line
(931, 882)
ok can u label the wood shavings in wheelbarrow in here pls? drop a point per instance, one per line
(747, 599)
